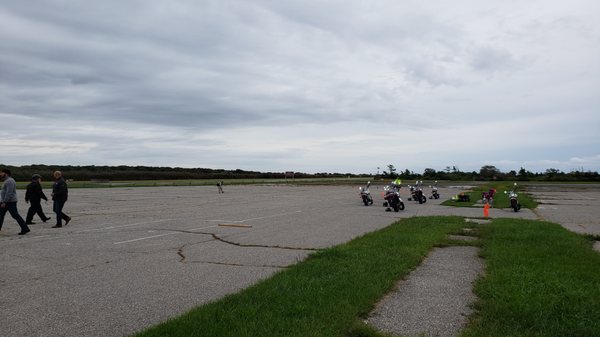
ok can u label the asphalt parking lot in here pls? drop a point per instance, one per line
(575, 206)
(134, 257)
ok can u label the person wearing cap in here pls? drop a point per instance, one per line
(8, 201)
(60, 194)
(34, 196)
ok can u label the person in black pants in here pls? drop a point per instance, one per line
(34, 196)
(60, 194)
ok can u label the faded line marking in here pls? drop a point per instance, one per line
(160, 235)
(258, 218)
(145, 238)
(123, 226)
(197, 229)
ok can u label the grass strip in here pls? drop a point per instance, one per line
(322, 295)
(541, 280)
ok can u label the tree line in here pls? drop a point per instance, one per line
(491, 173)
(116, 173)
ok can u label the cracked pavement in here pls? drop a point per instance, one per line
(134, 257)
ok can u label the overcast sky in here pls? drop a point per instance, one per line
(308, 86)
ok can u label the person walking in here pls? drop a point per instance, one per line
(8, 201)
(34, 196)
(220, 186)
(60, 194)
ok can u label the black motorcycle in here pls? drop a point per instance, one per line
(434, 191)
(392, 198)
(365, 194)
(416, 193)
(513, 197)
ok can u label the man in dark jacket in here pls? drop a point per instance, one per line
(60, 194)
(34, 196)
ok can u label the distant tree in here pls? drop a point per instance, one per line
(512, 175)
(553, 174)
(524, 175)
(406, 174)
(489, 172)
(429, 173)
(391, 171)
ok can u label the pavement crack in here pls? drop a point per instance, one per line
(180, 253)
(216, 237)
(239, 264)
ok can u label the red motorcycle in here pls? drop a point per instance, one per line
(488, 197)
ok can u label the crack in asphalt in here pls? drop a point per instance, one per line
(180, 251)
(218, 238)
(239, 264)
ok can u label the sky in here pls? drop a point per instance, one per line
(338, 86)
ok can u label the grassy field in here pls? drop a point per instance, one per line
(541, 280)
(500, 198)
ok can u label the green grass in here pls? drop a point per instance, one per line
(501, 199)
(323, 295)
(541, 280)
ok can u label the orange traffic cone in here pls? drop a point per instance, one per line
(486, 210)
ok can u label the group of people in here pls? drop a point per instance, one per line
(34, 196)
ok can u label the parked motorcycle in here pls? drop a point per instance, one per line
(392, 198)
(434, 191)
(488, 197)
(513, 197)
(417, 193)
(365, 194)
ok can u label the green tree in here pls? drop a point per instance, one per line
(489, 172)
(391, 171)
(429, 173)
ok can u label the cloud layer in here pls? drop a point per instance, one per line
(332, 86)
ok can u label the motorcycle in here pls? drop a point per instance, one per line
(417, 193)
(488, 197)
(513, 197)
(392, 198)
(365, 194)
(434, 191)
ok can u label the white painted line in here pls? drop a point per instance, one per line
(586, 198)
(259, 218)
(123, 226)
(271, 216)
(145, 238)
(160, 235)
(197, 229)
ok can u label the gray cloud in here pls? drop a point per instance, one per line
(185, 73)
